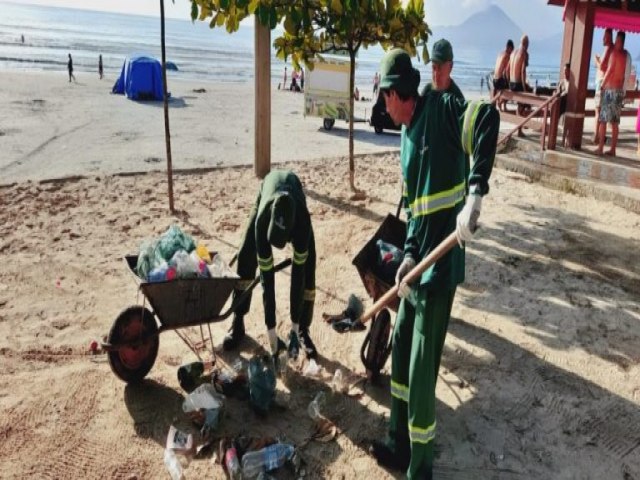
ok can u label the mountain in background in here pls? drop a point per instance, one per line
(490, 28)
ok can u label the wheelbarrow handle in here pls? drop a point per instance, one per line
(435, 255)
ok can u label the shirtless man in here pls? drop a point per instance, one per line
(518, 74)
(612, 95)
(601, 67)
(501, 72)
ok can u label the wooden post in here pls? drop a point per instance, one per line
(165, 95)
(262, 159)
(579, 20)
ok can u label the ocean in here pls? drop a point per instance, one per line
(199, 51)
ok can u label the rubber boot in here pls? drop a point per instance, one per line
(387, 458)
(236, 334)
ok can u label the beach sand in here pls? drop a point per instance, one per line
(540, 374)
(50, 128)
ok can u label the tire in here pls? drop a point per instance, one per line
(378, 129)
(132, 363)
(328, 123)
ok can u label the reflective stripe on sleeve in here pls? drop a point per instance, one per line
(265, 264)
(309, 295)
(470, 116)
(422, 435)
(300, 257)
(438, 201)
(399, 391)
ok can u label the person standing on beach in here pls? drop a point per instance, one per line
(302, 79)
(602, 63)
(279, 216)
(613, 91)
(284, 81)
(518, 74)
(501, 72)
(376, 81)
(518, 67)
(100, 69)
(437, 127)
(70, 69)
(22, 38)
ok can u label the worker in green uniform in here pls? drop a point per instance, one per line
(441, 67)
(278, 217)
(443, 194)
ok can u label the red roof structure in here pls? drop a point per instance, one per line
(580, 18)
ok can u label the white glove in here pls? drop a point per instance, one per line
(405, 267)
(467, 221)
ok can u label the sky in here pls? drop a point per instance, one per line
(537, 19)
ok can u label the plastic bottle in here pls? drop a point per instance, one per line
(199, 264)
(389, 259)
(232, 463)
(158, 274)
(269, 458)
(189, 374)
(218, 268)
(315, 407)
(173, 465)
(338, 381)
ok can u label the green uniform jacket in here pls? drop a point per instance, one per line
(437, 175)
(301, 238)
(453, 90)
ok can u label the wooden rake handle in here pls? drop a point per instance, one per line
(435, 255)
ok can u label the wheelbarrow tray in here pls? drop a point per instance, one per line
(393, 231)
(186, 302)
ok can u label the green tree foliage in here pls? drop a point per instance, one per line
(315, 27)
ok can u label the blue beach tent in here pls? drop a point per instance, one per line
(140, 79)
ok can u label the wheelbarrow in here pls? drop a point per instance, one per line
(379, 285)
(133, 341)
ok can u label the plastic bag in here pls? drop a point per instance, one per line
(262, 384)
(147, 259)
(172, 240)
(204, 406)
(185, 266)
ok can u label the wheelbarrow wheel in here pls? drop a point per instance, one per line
(135, 336)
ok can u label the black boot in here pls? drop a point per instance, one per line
(308, 346)
(387, 458)
(236, 334)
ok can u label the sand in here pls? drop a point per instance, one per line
(51, 128)
(540, 372)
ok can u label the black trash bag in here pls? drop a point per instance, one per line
(262, 384)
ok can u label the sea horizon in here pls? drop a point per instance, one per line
(201, 53)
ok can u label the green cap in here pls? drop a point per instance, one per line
(283, 211)
(397, 73)
(442, 51)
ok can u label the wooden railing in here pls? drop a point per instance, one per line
(544, 111)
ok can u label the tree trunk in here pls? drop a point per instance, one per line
(352, 80)
(167, 134)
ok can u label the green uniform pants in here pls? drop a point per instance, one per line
(303, 280)
(418, 339)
